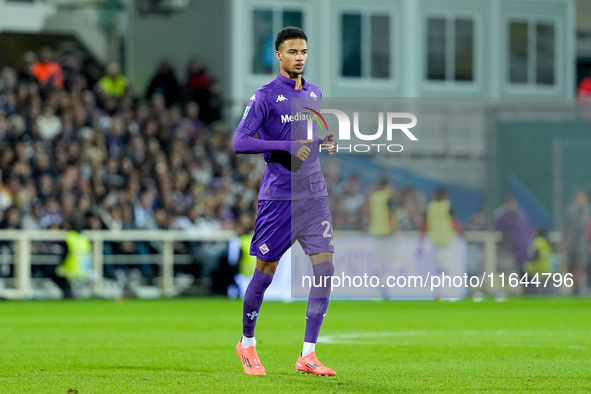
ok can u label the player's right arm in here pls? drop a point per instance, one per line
(254, 116)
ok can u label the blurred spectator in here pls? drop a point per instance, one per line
(197, 85)
(475, 249)
(114, 84)
(48, 124)
(71, 71)
(239, 257)
(8, 83)
(31, 220)
(191, 117)
(76, 263)
(517, 230)
(5, 197)
(164, 82)
(51, 215)
(440, 223)
(476, 222)
(443, 229)
(584, 90)
(127, 224)
(381, 203)
(47, 72)
(143, 211)
(91, 71)
(162, 218)
(25, 74)
(45, 188)
(214, 104)
(542, 259)
(144, 219)
(541, 254)
(7, 192)
(576, 235)
(16, 129)
(410, 210)
(10, 220)
(353, 197)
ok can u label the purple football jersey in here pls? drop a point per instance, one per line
(270, 116)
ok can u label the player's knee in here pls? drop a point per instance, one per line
(322, 257)
(325, 269)
(330, 270)
(267, 267)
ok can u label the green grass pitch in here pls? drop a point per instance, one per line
(187, 346)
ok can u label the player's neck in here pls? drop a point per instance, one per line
(294, 77)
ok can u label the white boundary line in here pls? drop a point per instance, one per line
(361, 338)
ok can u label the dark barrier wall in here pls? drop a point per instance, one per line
(544, 161)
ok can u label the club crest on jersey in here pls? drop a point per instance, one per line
(264, 249)
(280, 98)
(246, 112)
(313, 95)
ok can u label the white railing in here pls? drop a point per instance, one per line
(166, 259)
(22, 253)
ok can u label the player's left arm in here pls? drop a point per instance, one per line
(244, 143)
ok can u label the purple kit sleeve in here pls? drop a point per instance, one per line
(255, 114)
(246, 144)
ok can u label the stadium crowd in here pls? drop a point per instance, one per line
(76, 146)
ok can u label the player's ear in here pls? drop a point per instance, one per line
(278, 55)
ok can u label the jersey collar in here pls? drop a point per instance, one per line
(290, 82)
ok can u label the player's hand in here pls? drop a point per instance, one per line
(303, 151)
(329, 141)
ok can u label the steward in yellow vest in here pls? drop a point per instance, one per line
(542, 255)
(77, 258)
(114, 84)
(77, 263)
(380, 210)
(247, 263)
(439, 223)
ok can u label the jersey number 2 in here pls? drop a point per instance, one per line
(327, 230)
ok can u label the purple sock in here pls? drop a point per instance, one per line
(318, 300)
(253, 299)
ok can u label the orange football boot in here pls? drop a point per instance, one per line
(250, 361)
(310, 364)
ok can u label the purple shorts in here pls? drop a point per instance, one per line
(280, 223)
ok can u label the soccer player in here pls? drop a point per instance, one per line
(292, 199)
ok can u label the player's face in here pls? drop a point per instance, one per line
(292, 55)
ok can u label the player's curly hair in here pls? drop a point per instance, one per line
(289, 33)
